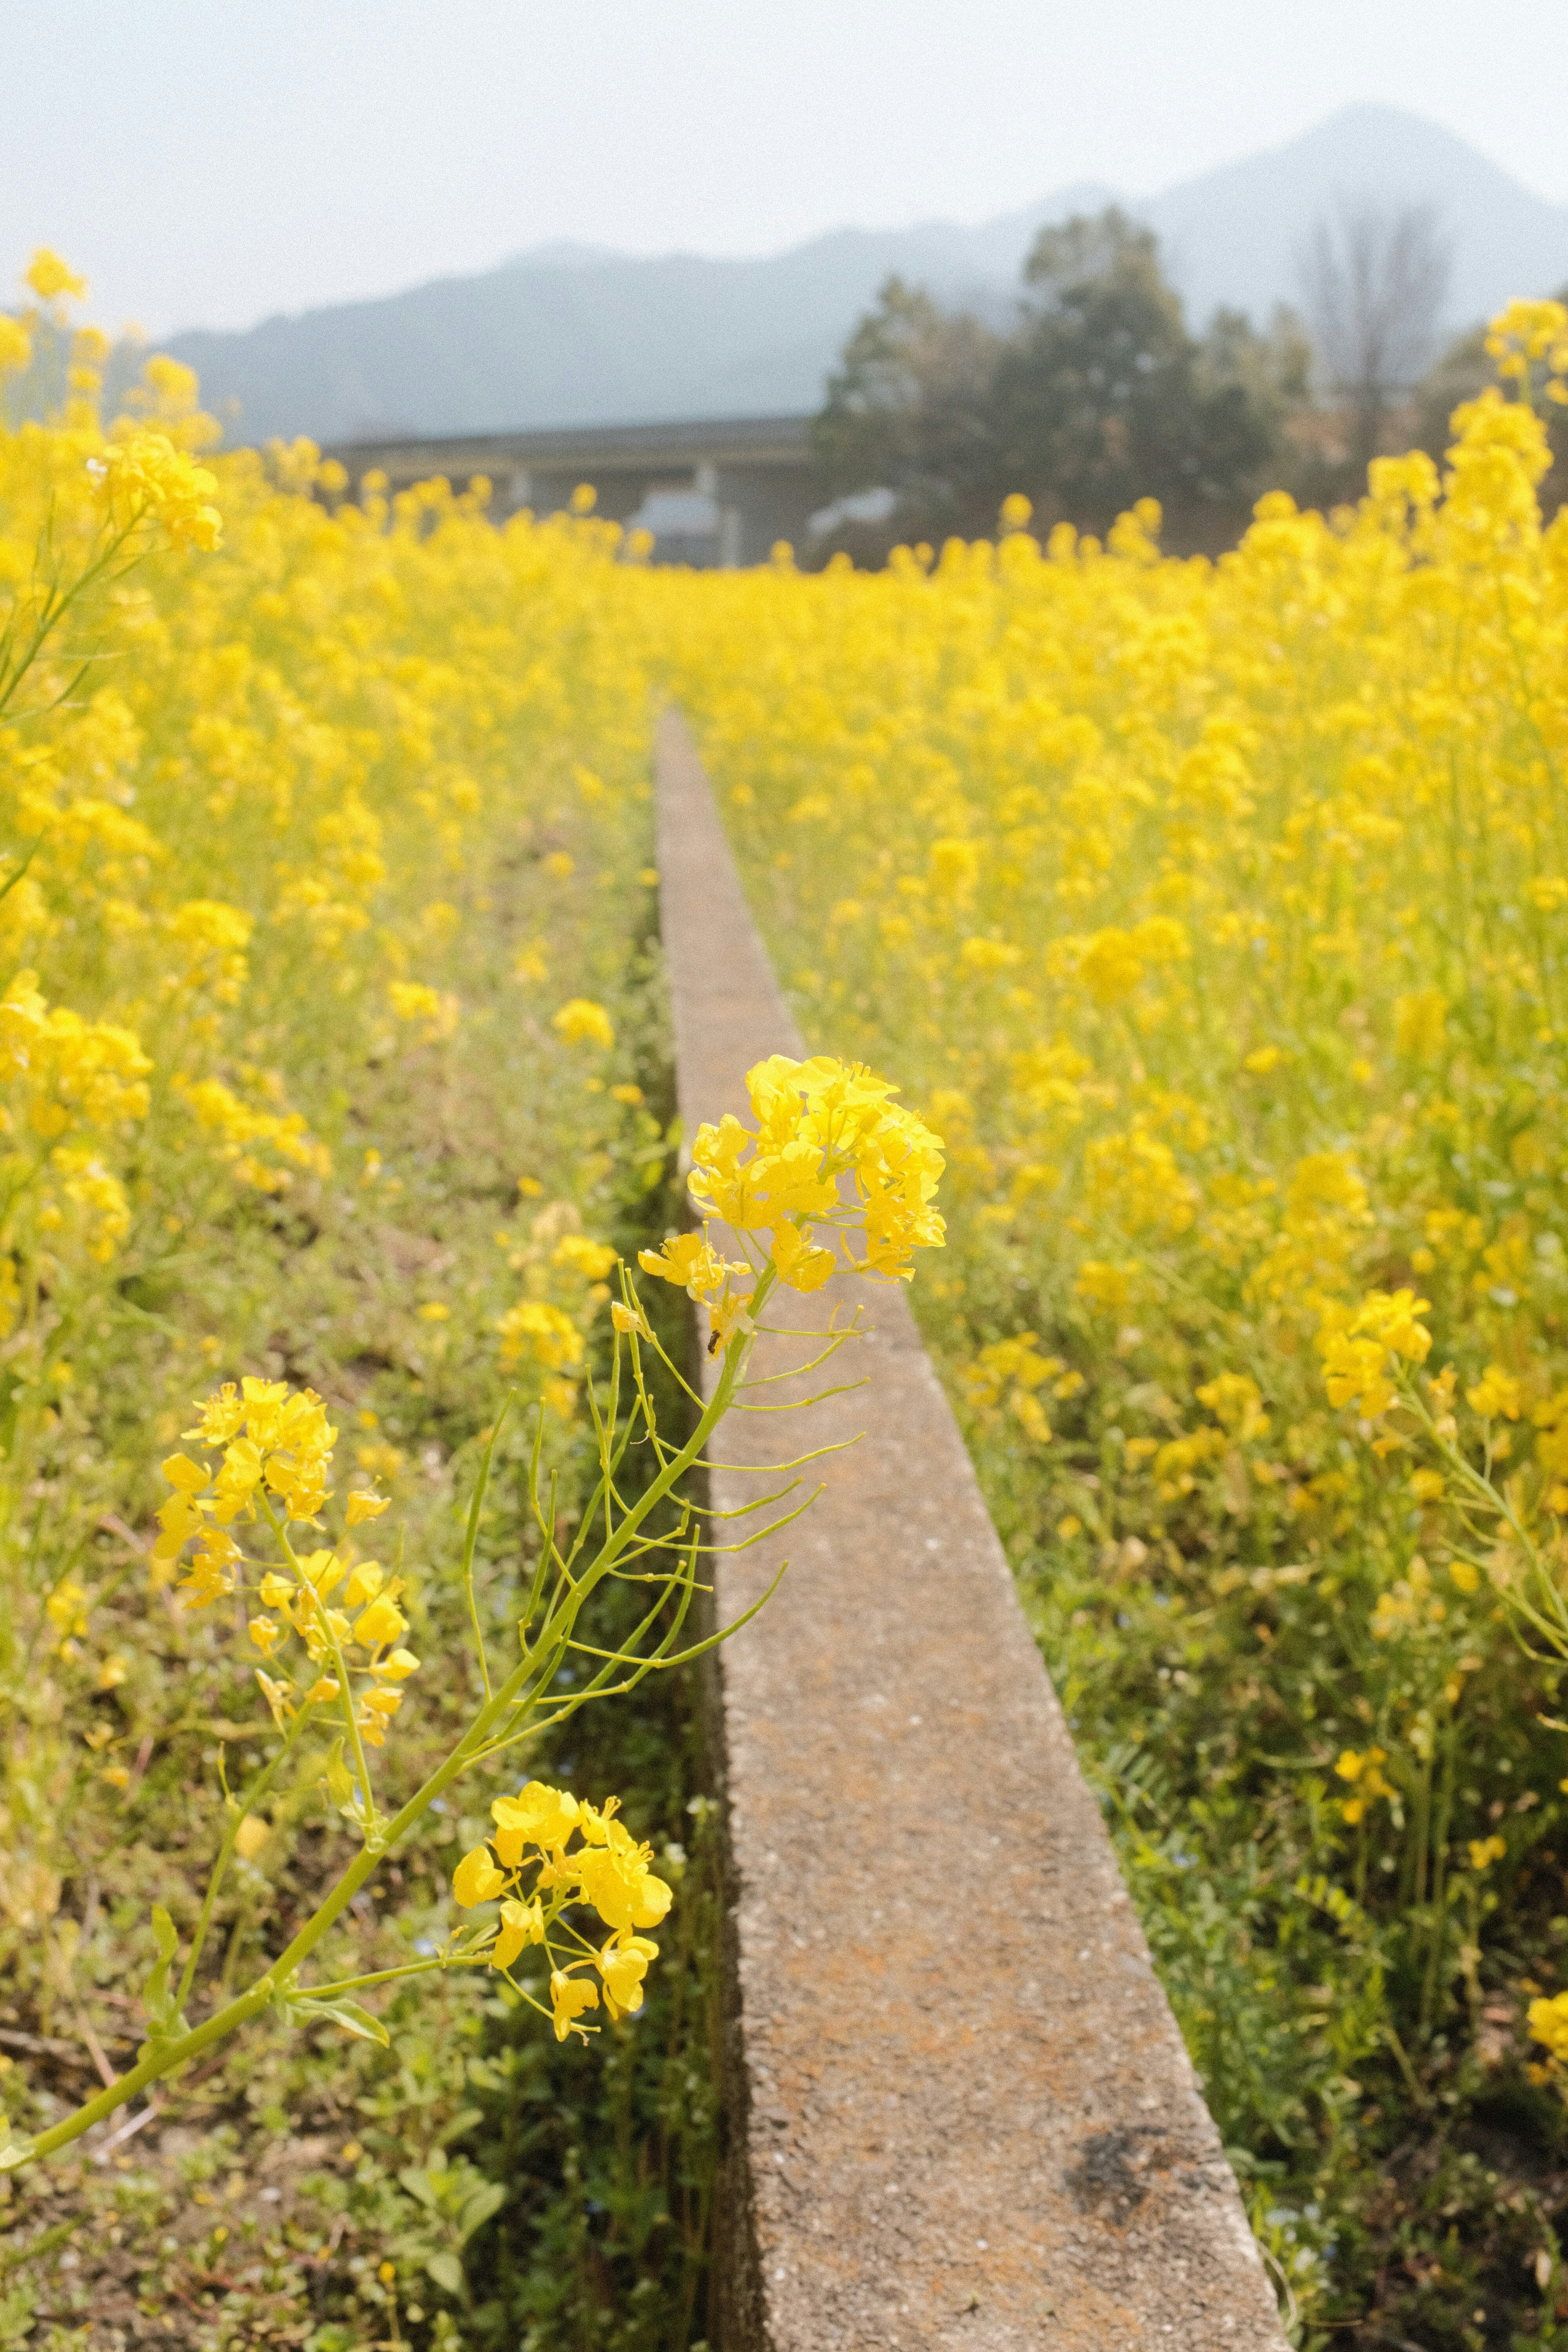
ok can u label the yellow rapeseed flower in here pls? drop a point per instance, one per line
(50, 277)
(583, 1021)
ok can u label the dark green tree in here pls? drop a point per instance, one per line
(1103, 397)
(1098, 397)
(907, 410)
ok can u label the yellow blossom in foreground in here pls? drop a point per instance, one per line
(803, 1264)
(578, 1853)
(538, 1815)
(617, 1880)
(687, 1260)
(522, 1924)
(1548, 2024)
(831, 1148)
(146, 474)
(623, 1964)
(476, 1878)
(569, 1997)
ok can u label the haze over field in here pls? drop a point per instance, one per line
(572, 334)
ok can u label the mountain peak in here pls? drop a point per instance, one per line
(1233, 235)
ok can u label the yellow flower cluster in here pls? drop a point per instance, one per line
(50, 277)
(567, 1274)
(1362, 1769)
(818, 1122)
(1165, 899)
(145, 477)
(1011, 1372)
(583, 1021)
(83, 1081)
(607, 1870)
(832, 1149)
(1548, 2024)
(1360, 1351)
(244, 860)
(270, 1439)
(275, 1447)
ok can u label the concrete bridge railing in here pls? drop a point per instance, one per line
(757, 474)
(959, 2111)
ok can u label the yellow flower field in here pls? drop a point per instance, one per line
(1215, 914)
(331, 1058)
(1212, 913)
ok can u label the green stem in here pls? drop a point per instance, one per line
(1554, 1627)
(57, 603)
(1421, 1828)
(391, 1975)
(164, 2058)
(1402, 2057)
(314, 1599)
(471, 1539)
(253, 1795)
(1432, 1986)
(14, 2257)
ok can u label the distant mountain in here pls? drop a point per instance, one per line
(572, 334)
(559, 336)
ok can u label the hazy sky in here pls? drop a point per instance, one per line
(208, 164)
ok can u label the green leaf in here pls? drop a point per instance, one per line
(339, 1780)
(467, 2117)
(419, 2184)
(478, 2207)
(446, 2271)
(349, 2015)
(157, 2002)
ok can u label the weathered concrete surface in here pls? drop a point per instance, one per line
(960, 2113)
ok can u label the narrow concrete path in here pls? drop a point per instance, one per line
(960, 2111)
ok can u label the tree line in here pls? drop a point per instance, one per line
(1095, 392)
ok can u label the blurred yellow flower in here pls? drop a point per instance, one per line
(582, 1022)
(50, 277)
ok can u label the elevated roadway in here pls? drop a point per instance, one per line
(754, 474)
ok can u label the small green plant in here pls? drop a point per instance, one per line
(832, 1154)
